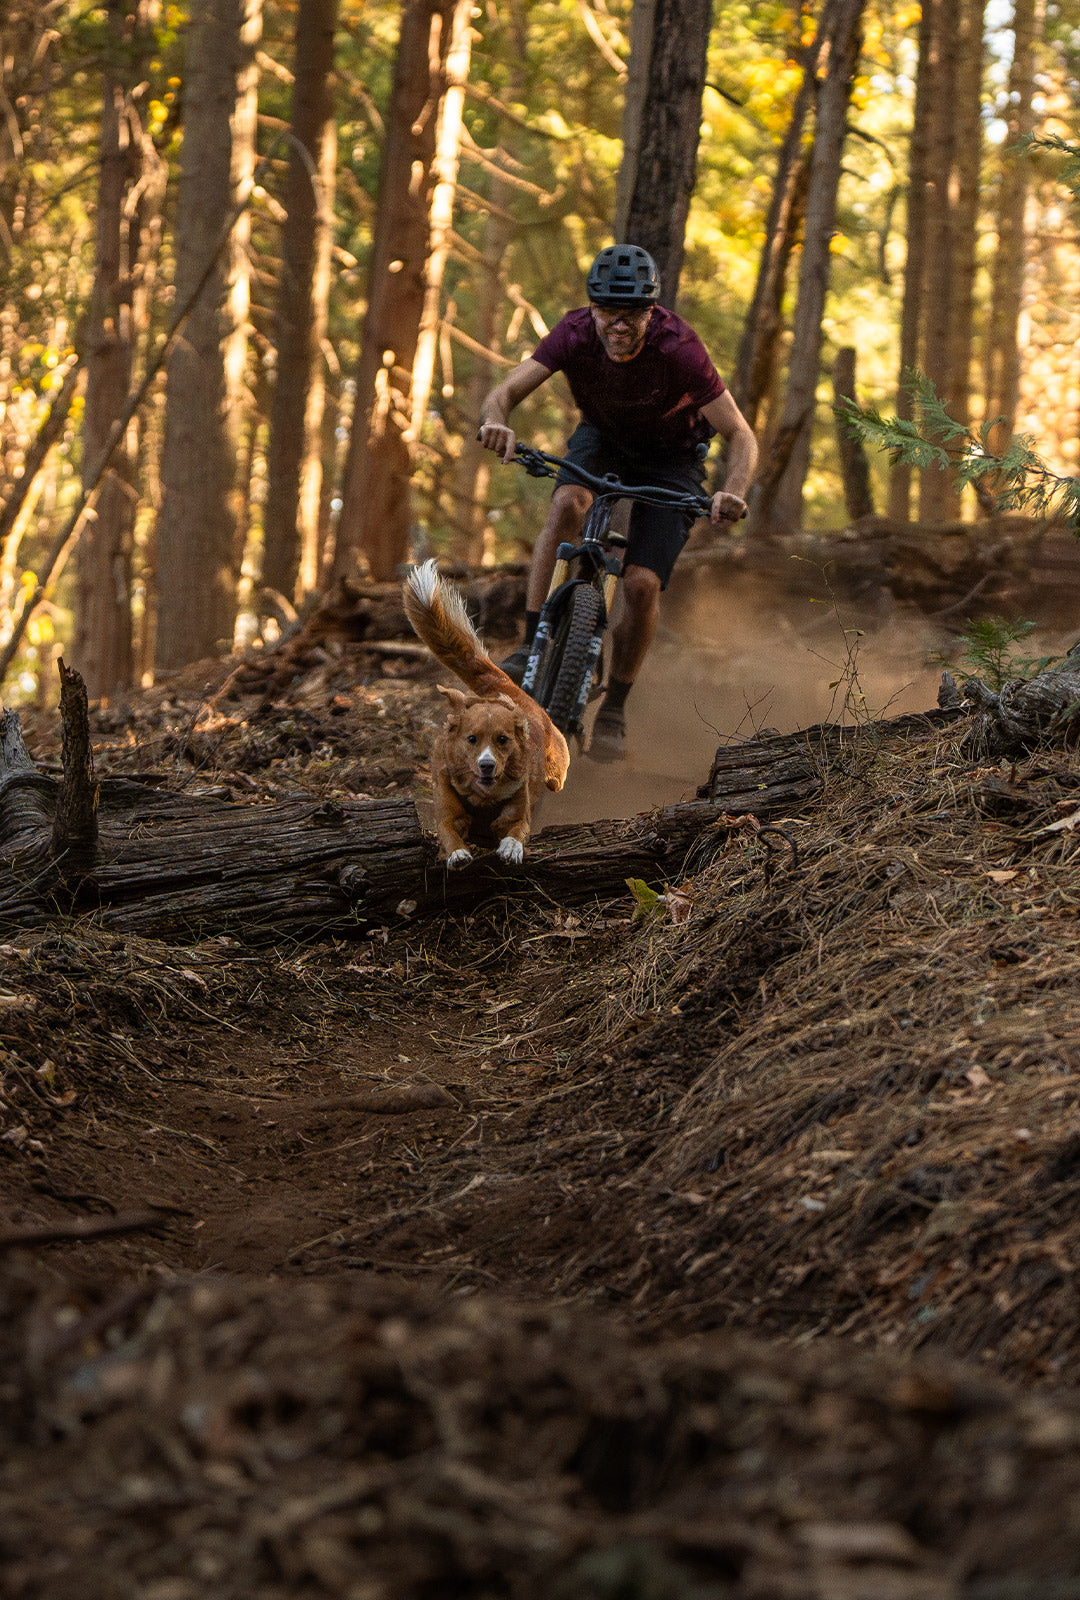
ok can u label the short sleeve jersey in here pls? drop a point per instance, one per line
(649, 405)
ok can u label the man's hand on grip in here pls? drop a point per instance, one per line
(727, 507)
(500, 437)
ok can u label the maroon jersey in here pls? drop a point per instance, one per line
(649, 405)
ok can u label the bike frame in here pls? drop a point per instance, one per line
(594, 561)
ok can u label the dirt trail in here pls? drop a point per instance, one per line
(484, 1344)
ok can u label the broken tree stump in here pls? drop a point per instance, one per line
(75, 817)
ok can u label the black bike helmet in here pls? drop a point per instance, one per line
(623, 275)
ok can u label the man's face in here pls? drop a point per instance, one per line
(621, 329)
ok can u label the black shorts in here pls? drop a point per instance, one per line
(657, 533)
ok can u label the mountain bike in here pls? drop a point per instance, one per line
(566, 655)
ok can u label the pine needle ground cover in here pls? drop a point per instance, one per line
(660, 1292)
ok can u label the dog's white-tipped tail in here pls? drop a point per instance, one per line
(438, 614)
(424, 581)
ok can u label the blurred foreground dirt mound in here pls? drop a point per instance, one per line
(340, 1440)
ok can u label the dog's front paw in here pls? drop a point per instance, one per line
(511, 851)
(459, 858)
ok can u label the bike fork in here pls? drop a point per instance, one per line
(536, 654)
(591, 664)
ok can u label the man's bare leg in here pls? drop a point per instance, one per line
(633, 634)
(630, 643)
(565, 515)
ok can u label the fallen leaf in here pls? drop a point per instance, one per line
(1064, 824)
(678, 905)
(1002, 877)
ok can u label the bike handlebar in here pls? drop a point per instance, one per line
(538, 464)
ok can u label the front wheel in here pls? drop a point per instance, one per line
(562, 691)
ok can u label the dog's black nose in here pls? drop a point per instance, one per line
(486, 767)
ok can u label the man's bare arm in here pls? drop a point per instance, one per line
(729, 503)
(495, 432)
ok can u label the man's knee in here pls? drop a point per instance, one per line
(569, 503)
(641, 589)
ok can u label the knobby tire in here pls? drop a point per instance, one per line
(569, 653)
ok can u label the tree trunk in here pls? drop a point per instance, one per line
(294, 454)
(969, 145)
(1024, 714)
(759, 346)
(663, 140)
(473, 536)
(444, 171)
(375, 511)
(103, 647)
(915, 270)
(854, 467)
(937, 494)
(1007, 273)
(198, 554)
(778, 505)
(75, 821)
(31, 68)
(635, 94)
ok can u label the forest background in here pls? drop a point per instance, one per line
(261, 261)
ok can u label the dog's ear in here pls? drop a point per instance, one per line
(458, 701)
(521, 716)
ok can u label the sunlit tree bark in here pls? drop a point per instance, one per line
(375, 511)
(764, 322)
(444, 175)
(778, 504)
(473, 537)
(103, 647)
(1007, 273)
(911, 317)
(198, 556)
(661, 131)
(955, 144)
(294, 456)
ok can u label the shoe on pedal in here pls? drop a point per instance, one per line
(608, 742)
(514, 665)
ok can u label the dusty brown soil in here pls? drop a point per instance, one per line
(445, 1246)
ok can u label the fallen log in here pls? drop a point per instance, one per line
(787, 770)
(161, 862)
(1026, 713)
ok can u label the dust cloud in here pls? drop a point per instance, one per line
(732, 659)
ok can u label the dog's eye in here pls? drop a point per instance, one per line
(472, 738)
(502, 739)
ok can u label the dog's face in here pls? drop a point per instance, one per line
(484, 745)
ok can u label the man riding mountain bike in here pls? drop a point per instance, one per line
(650, 401)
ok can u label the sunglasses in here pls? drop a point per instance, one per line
(635, 315)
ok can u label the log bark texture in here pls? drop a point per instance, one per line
(180, 866)
(1023, 714)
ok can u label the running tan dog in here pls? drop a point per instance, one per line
(498, 750)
